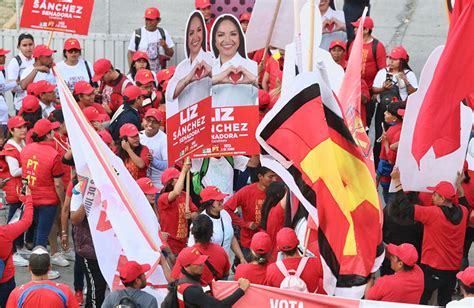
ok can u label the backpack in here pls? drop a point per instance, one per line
(127, 302)
(388, 96)
(89, 74)
(25, 293)
(175, 296)
(3, 264)
(292, 281)
(198, 176)
(138, 38)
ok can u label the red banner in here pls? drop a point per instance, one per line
(70, 16)
(232, 132)
(189, 130)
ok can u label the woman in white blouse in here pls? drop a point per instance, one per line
(191, 81)
(234, 76)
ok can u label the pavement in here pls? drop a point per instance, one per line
(419, 25)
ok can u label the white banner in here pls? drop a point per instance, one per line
(123, 225)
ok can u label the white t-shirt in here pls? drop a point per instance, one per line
(220, 173)
(327, 38)
(463, 303)
(224, 95)
(222, 232)
(49, 77)
(129, 77)
(4, 87)
(47, 109)
(158, 148)
(73, 74)
(14, 72)
(150, 43)
(382, 74)
(194, 92)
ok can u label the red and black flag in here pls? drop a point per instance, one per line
(322, 164)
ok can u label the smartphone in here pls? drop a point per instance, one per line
(388, 77)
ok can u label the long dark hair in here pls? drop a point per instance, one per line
(301, 213)
(261, 259)
(404, 65)
(123, 154)
(275, 192)
(198, 15)
(32, 117)
(133, 69)
(241, 50)
(202, 229)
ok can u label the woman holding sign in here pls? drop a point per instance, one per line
(191, 82)
(234, 76)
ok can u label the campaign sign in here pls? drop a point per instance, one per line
(188, 131)
(70, 16)
(232, 132)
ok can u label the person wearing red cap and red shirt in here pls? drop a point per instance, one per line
(443, 237)
(204, 6)
(155, 139)
(41, 69)
(250, 199)
(153, 40)
(128, 113)
(273, 74)
(145, 80)
(172, 207)
(256, 270)
(150, 190)
(94, 117)
(333, 24)
(132, 275)
(244, 20)
(74, 68)
(140, 61)
(84, 94)
(45, 91)
(4, 88)
(406, 285)
(466, 284)
(310, 269)
(135, 156)
(337, 49)
(12, 173)
(112, 85)
(189, 290)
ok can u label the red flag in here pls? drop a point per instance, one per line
(451, 84)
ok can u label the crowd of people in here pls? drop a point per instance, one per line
(240, 223)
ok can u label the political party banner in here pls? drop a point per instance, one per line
(69, 16)
(263, 297)
(431, 169)
(122, 222)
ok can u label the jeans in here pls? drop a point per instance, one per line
(443, 281)
(96, 284)
(78, 271)
(18, 243)
(5, 289)
(44, 216)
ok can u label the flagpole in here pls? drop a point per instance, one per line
(311, 35)
(187, 160)
(269, 37)
(306, 239)
(50, 39)
(296, 13)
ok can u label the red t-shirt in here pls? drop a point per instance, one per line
(401, 287)
(250, 199)
(443, 241)
(42, 297)
(275, 221)
(217, 258)
(312, 273)
(274, 68)
(370, 65)
(138, 173)
(255, 273)
(173, 221)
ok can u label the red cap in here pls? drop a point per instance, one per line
(368, 23)
(202, 4)
(445, 189)
(128, 130)
(43, 86)
(83, 87)
(31, 89)
(405, 252)
(144, 76)
(152, 13)
(4, 52)
(165, 74)
(71, 43)
(106, 136)
(146, 185)
(101, 67)
(286, 239)
(17, 121)
(263, 99)
(92, 114)
(140, 55)
(132, 93)
(169, 174)
(30, 104)
(191, 255)
(155, 113)
(337, 43)
(261, 243)
(399, 52)
(164, 86)
(42, 50)
(131, 270)
(467, 277)
(245, 17)
(44, 126)
(212, 193)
